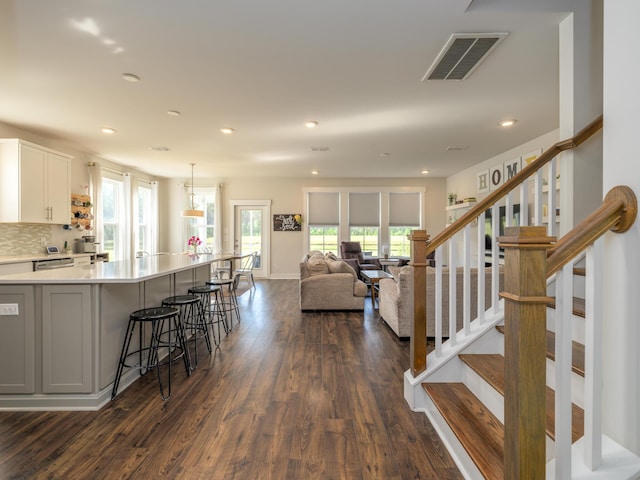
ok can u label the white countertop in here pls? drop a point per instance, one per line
(124, 271)
(7, 259)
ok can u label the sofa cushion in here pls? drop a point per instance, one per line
(330, 256)
(317, 265)
(338, 266)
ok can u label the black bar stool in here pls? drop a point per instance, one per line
(229, 301)
(156, 317)
(190, 316)
(213, 314)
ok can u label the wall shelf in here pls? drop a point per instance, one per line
(458, 206)
(81, 205)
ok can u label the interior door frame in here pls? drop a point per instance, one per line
(266, 228)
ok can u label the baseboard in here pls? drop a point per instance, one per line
(284, 276)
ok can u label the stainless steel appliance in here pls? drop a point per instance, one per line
(52, 263)
(86, 244)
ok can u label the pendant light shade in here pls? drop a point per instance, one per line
(192, 212)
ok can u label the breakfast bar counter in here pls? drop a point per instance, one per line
(61, 330)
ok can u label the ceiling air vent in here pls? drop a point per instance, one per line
(462, 53)
(320, 149)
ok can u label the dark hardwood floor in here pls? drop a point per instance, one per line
(288, 395)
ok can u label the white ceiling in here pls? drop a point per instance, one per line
(264, 68)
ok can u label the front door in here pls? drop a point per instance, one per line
(251, 234)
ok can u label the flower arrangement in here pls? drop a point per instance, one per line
(194, 242)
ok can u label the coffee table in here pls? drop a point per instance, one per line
(374, 277)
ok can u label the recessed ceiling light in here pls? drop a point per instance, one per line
(174, 113)
(227, 131)
(130, 77)
(159, 149)
(311, 124)
(314, 172)
(425, 172)
(108, 130)
(508, 123)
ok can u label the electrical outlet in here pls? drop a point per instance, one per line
(9, 309)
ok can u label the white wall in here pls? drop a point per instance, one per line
(287, 197)
(622, 268)
(464, 183)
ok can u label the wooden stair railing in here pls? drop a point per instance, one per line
(418, 339)
(529, 259)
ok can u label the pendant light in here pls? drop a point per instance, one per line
(192, 212)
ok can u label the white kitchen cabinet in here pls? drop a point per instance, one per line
(35, 183)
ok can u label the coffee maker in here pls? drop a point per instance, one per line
(86, 244)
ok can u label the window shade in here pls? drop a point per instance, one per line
(324, 208)
(404, 209)
(364, 209)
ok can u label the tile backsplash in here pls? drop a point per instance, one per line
(27, 238)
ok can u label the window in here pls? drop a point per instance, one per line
(323, 238)
(368, 238)
(404, 216)
(202, 227)
(324, 212)
(364, 220)
(145, 218)
(380, 219)
(399, 243)
(113, 217)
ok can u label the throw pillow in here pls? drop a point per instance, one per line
(317, 265)
(331, 256)
(338, 266)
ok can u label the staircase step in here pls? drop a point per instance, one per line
(577, 356)
(580, 271)
(578, 306)
(491, 368)
(477, 429)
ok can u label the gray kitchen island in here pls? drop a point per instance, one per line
(61, 331)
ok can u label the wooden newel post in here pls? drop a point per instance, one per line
(525, 294)
(418, 342)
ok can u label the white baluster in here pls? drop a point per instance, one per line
(563, 319)
(495, 258)
(438, 297)
(481, 267)
(551, 217)
(466, 281)
(537, 198)
(524, 203)
(453, 262)
(593, 355)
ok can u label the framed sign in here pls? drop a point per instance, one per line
(287, 222)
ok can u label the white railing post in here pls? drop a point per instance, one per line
(594, 266)
(453, 263)
(481, 276)
(438, 298)
(563, 318)
(466, 281)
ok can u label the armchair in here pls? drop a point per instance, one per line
(352, 253)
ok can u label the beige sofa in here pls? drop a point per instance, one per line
(327, 283)
(396, 303)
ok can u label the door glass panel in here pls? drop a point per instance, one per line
(251, 233)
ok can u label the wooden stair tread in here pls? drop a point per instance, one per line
(577, 355)
(491, 368)
(578, 306)
(580, 271)
(477, 429)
